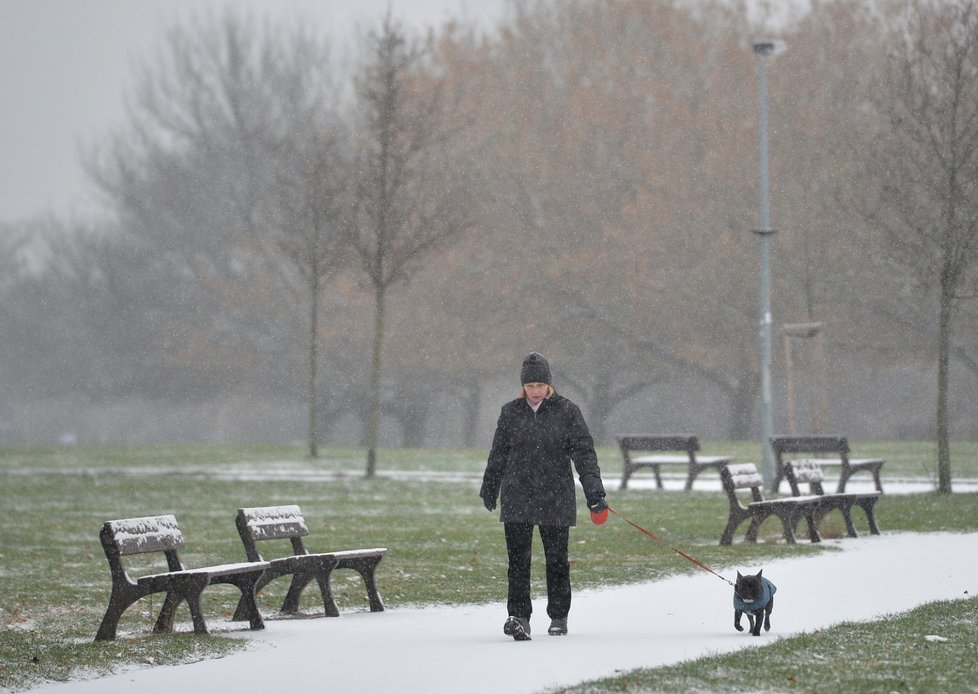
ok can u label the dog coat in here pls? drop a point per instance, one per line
(768, 590)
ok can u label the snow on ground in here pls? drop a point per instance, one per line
(462, 649)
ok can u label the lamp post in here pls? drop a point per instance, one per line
(764, 50)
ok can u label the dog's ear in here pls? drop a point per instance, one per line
(738, 575)
(760, 572)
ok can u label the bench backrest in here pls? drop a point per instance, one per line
(810, 444)
(271, 523)
(687, 443)
(139, 536)
(741, 476)
(806, 471)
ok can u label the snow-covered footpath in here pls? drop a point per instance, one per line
(462, 649)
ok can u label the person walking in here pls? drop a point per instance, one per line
(537, 437)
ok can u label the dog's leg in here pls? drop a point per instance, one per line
(755, 622)
(767, 614)
(737, 615)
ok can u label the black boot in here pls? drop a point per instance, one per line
(518, 628)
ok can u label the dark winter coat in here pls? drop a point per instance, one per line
(529, 466)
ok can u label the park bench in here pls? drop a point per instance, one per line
(133, 536)
(686, 445)
(809, 472)
(266, 523)
(835, 446)
(789, 510)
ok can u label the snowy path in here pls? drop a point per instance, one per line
(462, 649)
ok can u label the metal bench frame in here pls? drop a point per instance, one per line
(162, 534)
(682, 443)
(260, 524)
(817, 445)
(789, 510)
(809, 472)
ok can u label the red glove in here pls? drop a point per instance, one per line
(599, 511)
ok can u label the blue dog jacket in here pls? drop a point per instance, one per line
(768, 590)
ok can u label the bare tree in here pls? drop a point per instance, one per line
(230, 173)
(926, 160)
(309, 202)
(410, 202)
(312, 213)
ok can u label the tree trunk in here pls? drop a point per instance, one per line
(943, 354)
(413, 416)
(470, 408)
(373, 417)
(313, 360)
(741, 399)
(600, 408)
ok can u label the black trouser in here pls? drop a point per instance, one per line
(519, 545)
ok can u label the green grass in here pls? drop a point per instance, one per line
(444, 548)
(892, 655)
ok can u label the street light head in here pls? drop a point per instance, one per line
(766, 49)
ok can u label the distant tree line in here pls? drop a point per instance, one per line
(362, 235)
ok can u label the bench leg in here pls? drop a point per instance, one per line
(187, 588)
(326, 591)
(847, 516)
(366, 567)
(877, 480)
(867, 506)
(658, 476)
(813, 533)
(788, 521)
(732, 524)
(693, 472)
(196, 613)
(301, 579)
(624, 477)
(844, 476)
(242, 611)
(119, 602)
(246, 582)
(164, 623)
(755, 525)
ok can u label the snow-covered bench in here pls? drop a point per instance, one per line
(162, 534)
(809, 472)
(789, 510)
(264, 523)
(686, 445)
(836, 446)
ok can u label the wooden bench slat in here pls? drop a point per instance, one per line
(147, 534)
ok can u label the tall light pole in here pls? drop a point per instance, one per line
(764, 50)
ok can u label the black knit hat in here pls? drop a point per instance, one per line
(535, 369)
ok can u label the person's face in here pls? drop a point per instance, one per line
(535, 392)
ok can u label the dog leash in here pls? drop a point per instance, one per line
(677, 551)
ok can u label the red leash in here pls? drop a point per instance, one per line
(677, 551)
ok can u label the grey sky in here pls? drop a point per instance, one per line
(65, 64)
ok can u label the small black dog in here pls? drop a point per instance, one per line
(754, 595)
